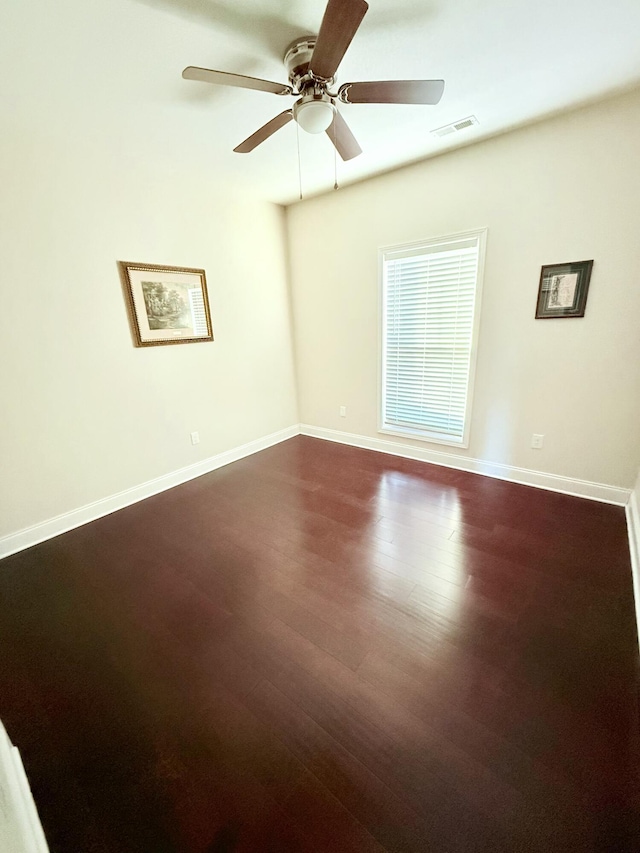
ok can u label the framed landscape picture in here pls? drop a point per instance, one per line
(167, 305)
(563, 290)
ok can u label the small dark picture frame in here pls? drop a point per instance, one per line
(563, 290)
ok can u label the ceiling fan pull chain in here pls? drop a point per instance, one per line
(335, 158)
(299, 163)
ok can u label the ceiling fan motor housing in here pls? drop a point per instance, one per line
(314, 111)
(296, 60)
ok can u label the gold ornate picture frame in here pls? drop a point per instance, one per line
(167, 305)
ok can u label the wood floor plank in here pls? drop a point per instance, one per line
(387, 817)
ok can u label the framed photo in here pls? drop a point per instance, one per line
(563, 290)
(167, 305)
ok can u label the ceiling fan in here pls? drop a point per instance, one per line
(311, 64)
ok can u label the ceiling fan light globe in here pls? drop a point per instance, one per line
(315, 116)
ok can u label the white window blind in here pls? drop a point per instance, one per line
(429, 306)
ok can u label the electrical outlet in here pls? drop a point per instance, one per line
(343, 411)
(195, 438)
(537, 441)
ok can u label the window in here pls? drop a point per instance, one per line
(430, 313)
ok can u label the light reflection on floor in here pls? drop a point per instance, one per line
(440, 512)
(438, 608)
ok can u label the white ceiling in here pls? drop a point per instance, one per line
(507, 62)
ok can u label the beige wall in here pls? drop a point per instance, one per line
(563, 190)
(84, 413)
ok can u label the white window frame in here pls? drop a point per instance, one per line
(383, 254)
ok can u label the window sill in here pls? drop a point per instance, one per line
(429, 438)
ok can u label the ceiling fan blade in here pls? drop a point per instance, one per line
(392, 92)
(223, 78)
(265, 132)
(339, 25)
(345, 142)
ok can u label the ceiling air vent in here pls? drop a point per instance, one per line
(455, 126)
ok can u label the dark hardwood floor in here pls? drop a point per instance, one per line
(320, 648)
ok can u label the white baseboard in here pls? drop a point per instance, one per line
(90, 512)
(20, 827)
(551, 482)
(633, 528)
